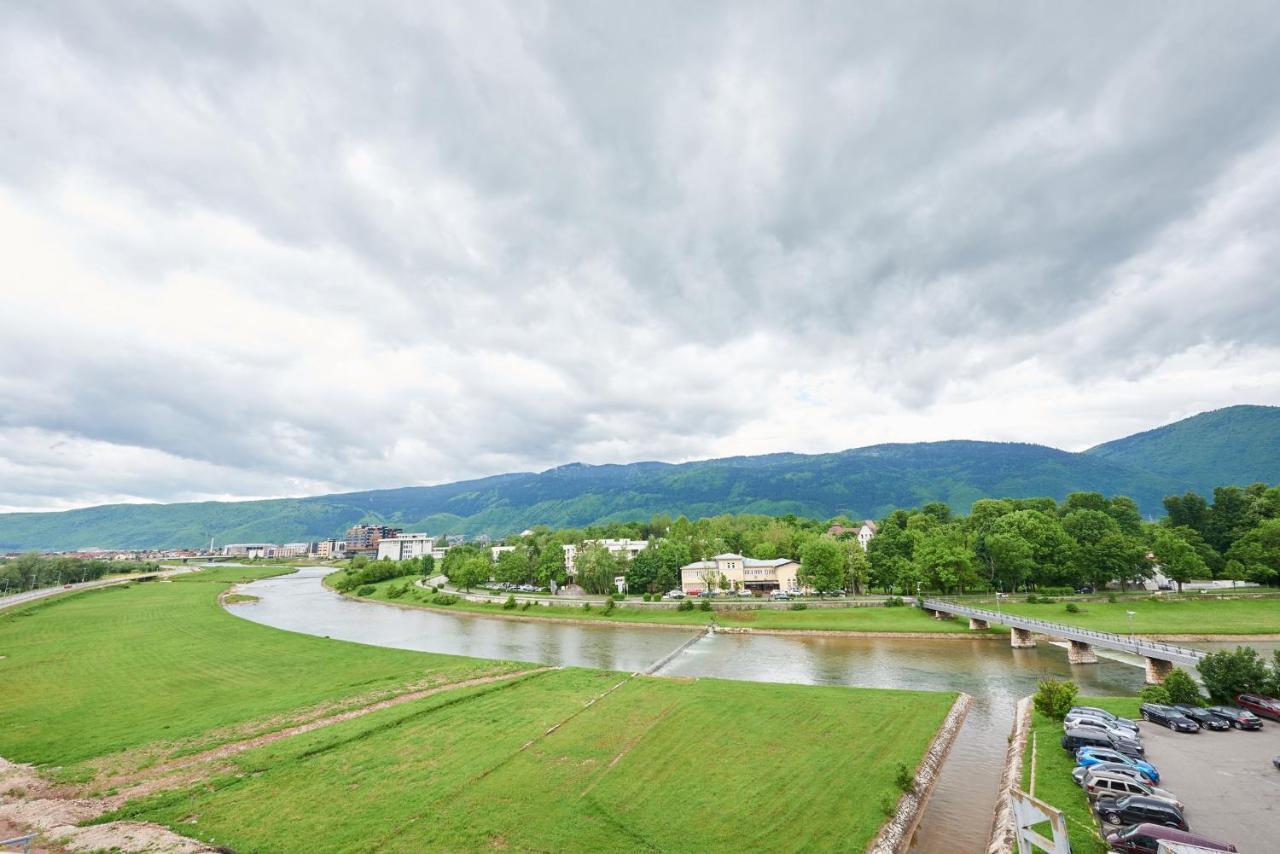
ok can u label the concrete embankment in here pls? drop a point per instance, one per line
(1003, 828)
(895, 836)
(671, 656)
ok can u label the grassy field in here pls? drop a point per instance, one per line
(1153, 615)
(865, 619)
(106, 670)
(658, 764)
(1053, 774)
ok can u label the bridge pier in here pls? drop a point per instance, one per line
(1021, 638)
(1157, 670)
(977, 625)
(1079, 652)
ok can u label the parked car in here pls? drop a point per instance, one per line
(1079, 772)
(1204, 717)
(1074, 739)
(1093, 755)
(1138, 809)
(746, 594)
(706, 594)
(1168, 716)
(673, 594)
(779, 595)
(1263, 707)
(1078, 721)
(1101, 713)
(1146, 839)
(1237, 717)
(1100, 783)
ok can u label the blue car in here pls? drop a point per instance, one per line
(1087, 756)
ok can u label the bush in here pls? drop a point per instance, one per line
(685, 605)
(525, 606)
(1054, 699)
(798, 606)
(510, 604)
(894, 602)
(704, 605)
(1182, 689)
(648, 598)
(888, 804)
(1056, 591)
(1154, 694)
(444, 599)
(1231, 672)
(1111, 597)
(1072, 608)
(608, 606)
(905, 778)
(618, 597)
(366, 590)
(586, 606)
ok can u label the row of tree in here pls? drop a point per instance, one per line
(34, 571)
(1002, 544)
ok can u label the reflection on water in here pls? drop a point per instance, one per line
(959, 813)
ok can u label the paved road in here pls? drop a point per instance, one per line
(45, 592)
(1226, 779)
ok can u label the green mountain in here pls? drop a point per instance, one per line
(1237, 445)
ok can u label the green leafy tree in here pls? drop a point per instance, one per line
(1182, 689)
(1230, 672)
(1258, 551)
(642, 571)
(1054, 699)
(1177, 558)
(472, 571)
(1157, 694)
(822, 565)
(857, 566)
(596, 568)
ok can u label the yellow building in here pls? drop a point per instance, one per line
(742, 573)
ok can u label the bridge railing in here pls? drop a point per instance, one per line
(1018, 621)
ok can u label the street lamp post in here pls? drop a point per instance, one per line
(1131, 640)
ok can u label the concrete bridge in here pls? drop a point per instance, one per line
(1160, 657)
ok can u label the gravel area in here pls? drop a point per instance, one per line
(1226, 780)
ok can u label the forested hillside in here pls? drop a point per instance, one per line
(865, 482)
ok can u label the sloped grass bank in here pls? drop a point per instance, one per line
(673, 765)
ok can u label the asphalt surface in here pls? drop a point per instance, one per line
(1225, 779)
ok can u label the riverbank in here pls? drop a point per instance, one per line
(291, 742)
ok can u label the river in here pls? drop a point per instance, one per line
(958, 816)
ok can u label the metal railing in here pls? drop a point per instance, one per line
(1123, 642)
(24, 841)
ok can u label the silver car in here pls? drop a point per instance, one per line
(1101, 783)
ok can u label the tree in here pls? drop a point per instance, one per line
(596, 568)
(822, 565)
(1182, 689)
(1259, 552)
(1230, 672)
(1234, 570)
(1190, 510)
(857, 566)
(471, 571)
(942, 558)
(512, 568)
(1178, 560)
(642, 571)
(1030, 546)
(1227, 517)
(1054, 699)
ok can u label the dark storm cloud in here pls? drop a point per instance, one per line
(336, 245)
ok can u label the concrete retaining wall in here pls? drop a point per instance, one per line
(895, 836)
(1003, 827)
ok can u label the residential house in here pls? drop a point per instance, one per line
(742, 573)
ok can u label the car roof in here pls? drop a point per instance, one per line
(1172, 834)
(1144, 801)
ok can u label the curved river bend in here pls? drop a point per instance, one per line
(958, 817)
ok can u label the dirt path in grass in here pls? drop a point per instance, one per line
(29, 803)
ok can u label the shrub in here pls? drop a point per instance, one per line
(685, 605)
(1056, 591)
(1111, 597)
(1182, 688)
(366, 590)
(510, 604)
(888, 804)
(704, 605)
(1072, 608)
(905, 778)
(647, 598)
(618, 597)
(1230, 672)
(443, 599)
(798, 606)
(1154, 694)
(608, 606)
(894, 602)
(586, 606)
(525, 606)
(1054, 699)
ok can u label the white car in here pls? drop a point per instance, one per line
(673, 594)
(746, 594)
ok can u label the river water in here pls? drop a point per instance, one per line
(958, 816)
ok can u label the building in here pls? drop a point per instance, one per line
(630, 548)
(290, 550)
(864, 532)
(406, 546)
(247, 549)
(364, 539)
(496, 552)
(743, 573)
(327, 549)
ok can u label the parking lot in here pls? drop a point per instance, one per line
(1225, 779)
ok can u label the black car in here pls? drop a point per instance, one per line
(1204, 717)
(1238, 718)
(1136, 809)
(1168, 716)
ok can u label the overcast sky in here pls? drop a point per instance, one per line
(254, 251)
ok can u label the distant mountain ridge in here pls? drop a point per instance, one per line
(1239, 445)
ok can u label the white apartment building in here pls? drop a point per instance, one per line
(290, 550)
(247, 549)
(331, 548)
(743, 573)
(407, 546)
(629, 547)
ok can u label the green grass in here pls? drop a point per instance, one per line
(858, 619)
(1153, 615)
(1053, 773)
(673, 765)
(102, 671)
